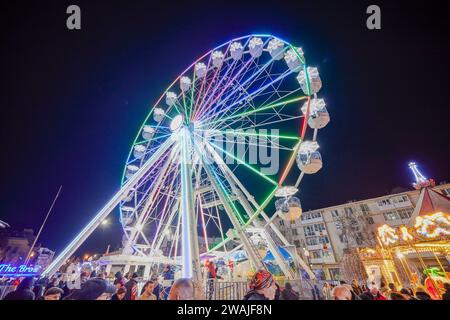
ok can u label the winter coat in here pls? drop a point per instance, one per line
(23, 292)
(423, 296)
(288, 295)
(132, 289)
(446, 295)
(253, 295)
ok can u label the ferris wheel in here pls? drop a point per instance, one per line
(196, 180)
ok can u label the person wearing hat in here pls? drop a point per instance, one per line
(53, 293)
(132, 289)
(119, 280)
(93, 289)
(262, 287)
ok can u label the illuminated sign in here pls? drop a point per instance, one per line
(9, 270)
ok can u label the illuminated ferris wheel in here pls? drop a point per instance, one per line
(237, 94)
(195, 182)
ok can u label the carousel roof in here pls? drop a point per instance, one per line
(430, 201)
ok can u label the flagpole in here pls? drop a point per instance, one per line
(42, 226)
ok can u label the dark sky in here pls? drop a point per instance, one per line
(72, 101)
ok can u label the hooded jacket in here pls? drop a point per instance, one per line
(23, 292)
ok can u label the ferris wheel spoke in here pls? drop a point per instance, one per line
(149, 202)
(230, 70)
(164, 212)
(261, 108)
(216, 73)
(251, 95)
(240, 161)
(228, 84)
(248, 82)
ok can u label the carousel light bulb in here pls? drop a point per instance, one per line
(176, 123)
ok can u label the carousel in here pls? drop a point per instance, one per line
(416, 254)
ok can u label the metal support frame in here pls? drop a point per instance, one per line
(189, 234)
(269, 222)
(230, 213)
(105, 211)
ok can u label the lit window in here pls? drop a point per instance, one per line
(391, 215)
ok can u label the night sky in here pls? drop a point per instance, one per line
(73, 101)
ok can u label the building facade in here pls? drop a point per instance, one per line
(322, 236)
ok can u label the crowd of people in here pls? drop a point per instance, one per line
(262, 286)
(354, 291)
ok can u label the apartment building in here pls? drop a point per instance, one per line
(322, 235)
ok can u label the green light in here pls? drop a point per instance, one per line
(247, 165)
(242, 133)
(238, 214)
(263, 206)
(270, 106)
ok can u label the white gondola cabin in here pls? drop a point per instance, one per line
(309, 159)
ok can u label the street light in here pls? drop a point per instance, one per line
(105, 222)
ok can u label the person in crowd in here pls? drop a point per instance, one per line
(446, 295)
(356, 288)
(421, 294)
(262, 286)
(182, 289)
(168, 273)
(54, 293)
(288, 293)
(383, 288)
(277, 292)
(131, 287)
(147, 293)
(397, 296)
(83, 278)
(157, 288)
(40, 286)
(364, 288)
(341, 292)
(120, 294)
(326, 291)
(376, 294)
(316, 293)
(23, 291)
(211, 275)
(119, 280)
(392, 289)
(354, 295)
(93, 289)
(408, 294)
(366, 296)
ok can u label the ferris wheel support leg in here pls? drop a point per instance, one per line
(104, 212)
(269, 221)
(189, 242)
(270, 243)
(237, 226)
